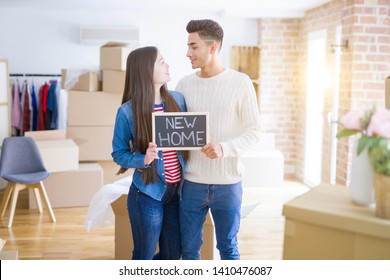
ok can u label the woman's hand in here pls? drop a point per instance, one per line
(151, 154)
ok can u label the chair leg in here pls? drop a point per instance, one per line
(6, 197)
(38, 198)
(42, 190)
(15, 194)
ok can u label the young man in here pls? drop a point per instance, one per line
(213, 174)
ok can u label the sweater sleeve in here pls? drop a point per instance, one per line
(249, 118)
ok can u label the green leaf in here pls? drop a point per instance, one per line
(362, 144)
(346, 133)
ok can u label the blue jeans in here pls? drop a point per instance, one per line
(224, 202)
(153, 222)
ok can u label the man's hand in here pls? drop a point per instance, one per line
(212, 150)
(151, 154)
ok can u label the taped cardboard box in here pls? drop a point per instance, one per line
(9, 255)
(53, 146)
(59, 155)
(114, 81)
(101, 110)
(263, 164)
(3, 183)
(110, 168)
(45, 135)
(94, 142)
(2, 243)
(88, 81)
(263, 168)
(324, 224)
(124, 238)
(113, 56)
(72, 188)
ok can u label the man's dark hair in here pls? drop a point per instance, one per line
(207, 30)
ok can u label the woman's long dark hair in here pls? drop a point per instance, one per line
(139, 87)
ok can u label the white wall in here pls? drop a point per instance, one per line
(39, 40)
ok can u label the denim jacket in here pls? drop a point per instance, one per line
(124, 132)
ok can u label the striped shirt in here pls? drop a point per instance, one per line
(171, 161)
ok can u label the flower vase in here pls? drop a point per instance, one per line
(361, 187)
(382, 195)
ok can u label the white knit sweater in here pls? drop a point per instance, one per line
(234, 122)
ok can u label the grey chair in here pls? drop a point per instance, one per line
(22, 166)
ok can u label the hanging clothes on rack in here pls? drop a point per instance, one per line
(42, 109)
(35, 103)
(51, 105)
(16, 113)
(26, 121)
(34, 108)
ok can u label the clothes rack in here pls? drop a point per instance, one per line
(34, 75)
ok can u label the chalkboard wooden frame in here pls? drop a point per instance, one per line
(205, 125)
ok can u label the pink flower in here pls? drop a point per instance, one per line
(380, 124)
(352, 119)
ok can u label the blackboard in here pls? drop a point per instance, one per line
(180, 130)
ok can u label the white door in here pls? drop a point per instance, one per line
(334, 115)
(315, 90)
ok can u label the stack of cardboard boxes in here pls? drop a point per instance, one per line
(79, 158)
(91, 114)
(113, 59)
(70, 183)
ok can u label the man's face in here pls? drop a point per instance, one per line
(199, 51)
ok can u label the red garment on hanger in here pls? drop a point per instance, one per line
(26, 111)
(42, 107)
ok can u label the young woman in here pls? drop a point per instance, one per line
(153, 196)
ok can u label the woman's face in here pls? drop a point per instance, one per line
(161, 71)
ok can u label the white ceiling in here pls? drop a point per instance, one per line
(228, 8)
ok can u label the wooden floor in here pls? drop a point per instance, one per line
(36, 238)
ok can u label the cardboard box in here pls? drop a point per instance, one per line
(209, 250)
(46, 134)
(2, 243)
(94, 142)
(325, 224)
(100, 111)
(9, 255)
(123, 235)
(124, 238)
(72, 188)
(59, 155)
(53, 145)
(263, 164)
(110, 168)
(113, 56)
(387, 92)
(86, 82)
(263, 168)
(3, 183)
(114, 81)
